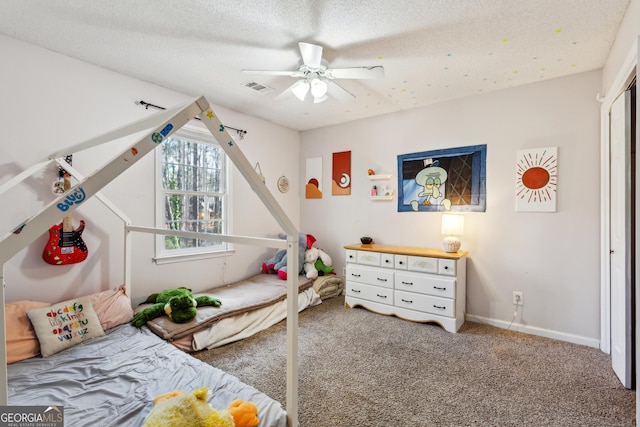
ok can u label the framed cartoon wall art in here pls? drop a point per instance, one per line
(450, 179)
(537, 179)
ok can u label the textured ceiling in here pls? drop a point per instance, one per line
(431, 50)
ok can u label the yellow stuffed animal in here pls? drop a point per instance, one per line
(178, 409)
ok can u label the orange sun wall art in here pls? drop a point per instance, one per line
(536, 180)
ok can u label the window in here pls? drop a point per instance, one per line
(192, 193)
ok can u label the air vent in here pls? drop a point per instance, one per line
(258, 87)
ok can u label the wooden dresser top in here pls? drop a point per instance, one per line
(405, 250)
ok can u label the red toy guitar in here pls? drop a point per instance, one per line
(65, 245)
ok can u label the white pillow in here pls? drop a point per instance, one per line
(65, 324)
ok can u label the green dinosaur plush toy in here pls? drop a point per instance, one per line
(179, 304)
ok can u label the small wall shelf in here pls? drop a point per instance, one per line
(379, 177)
(382, 197)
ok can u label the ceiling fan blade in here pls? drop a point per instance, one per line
(273, 73)
(375, 72)
(338, 92)
(311, 54)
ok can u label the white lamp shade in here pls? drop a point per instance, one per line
(300, 89)
(318, 88)
(452, 224)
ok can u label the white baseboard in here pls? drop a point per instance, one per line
(547, 333)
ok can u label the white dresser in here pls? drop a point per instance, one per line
(422, 285)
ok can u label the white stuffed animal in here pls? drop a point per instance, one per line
(316, 260)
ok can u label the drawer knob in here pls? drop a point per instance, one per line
(446, 267)
(439, 307)
(355, 275)
(382, 280)
(408, 283)
(381, 296)
(407, 301)
(438, 288)
(400, 262)
(355, 291)
(387, 261)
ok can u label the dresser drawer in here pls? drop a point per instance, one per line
(352, 256)
(368, 258)
(400, 262)
(423, 284)
(386, 260)
(423, 264)
(425, 303)
(370, 293)
(447, 267)
(368, 275)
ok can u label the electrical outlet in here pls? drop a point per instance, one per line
(518, 298)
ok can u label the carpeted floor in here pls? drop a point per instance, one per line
(359, 368)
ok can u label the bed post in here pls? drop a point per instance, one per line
(234, 153)
(4, 391)
(128, 254)
(292, 329)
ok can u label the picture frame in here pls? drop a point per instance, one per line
(443, 180)
(537, 180)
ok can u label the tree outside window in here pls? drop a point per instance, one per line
(193, 191)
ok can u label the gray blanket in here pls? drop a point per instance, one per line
(112, 380)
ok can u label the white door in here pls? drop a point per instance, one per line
(620, 192)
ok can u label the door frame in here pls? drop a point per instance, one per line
(624, 77)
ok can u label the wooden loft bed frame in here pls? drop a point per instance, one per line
(162, 125)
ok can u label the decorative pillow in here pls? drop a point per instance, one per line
(22, 342)
(65, 324)
(113, 307)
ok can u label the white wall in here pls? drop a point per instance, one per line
(552, 257)
(50, 102)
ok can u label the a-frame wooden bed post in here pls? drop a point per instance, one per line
(3, 336)
(240, 161)
(171, 120)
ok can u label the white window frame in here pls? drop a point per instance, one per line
(200, 135)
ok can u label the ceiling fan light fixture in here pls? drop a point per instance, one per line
(300, 89)
(318, 88)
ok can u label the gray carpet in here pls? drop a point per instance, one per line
(358, 368)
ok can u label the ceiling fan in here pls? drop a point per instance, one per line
(316, 77)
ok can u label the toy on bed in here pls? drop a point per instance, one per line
(278, 263)
(317, 263)
(178, 409)
(179, 304)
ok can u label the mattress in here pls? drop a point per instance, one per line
(249, 318)
(246, 295)
(112, 380)
(244, 325)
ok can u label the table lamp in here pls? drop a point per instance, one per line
(452, 226)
